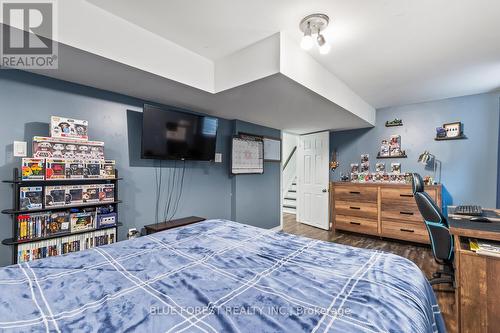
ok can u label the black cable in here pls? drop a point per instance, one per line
(167, 192)
(171, 190)
(169, 176)
(181, 189)
(160, 185)
(174, 190)
(157, 184)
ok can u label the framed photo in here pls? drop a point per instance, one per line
(453, 130)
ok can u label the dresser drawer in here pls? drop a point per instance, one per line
(401, 195)
(358, 209)
(356, 224)
(407, 212)
(406, 231)
(356, 193)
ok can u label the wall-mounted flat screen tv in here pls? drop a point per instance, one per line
(170, 134)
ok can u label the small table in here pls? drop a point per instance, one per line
(476, 276)
(157, 227)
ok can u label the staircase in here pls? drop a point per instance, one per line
(290, 199)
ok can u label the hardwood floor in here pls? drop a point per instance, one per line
(419, 254)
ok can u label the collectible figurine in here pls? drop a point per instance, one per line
(395, 122)
(440, 132)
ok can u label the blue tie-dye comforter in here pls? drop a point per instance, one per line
(219, 276)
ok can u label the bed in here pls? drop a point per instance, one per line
(219, 276)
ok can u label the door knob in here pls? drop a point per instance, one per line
(325, 190)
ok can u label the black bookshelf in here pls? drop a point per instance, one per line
(17, 182)
(55, 182)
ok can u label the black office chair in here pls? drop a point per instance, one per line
(439, 233)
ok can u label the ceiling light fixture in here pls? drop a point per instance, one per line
(314, 23)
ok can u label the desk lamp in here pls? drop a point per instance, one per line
(428, 159)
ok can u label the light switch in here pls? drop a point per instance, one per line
(218, 158)
(20, 148)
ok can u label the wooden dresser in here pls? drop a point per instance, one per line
(381, 209)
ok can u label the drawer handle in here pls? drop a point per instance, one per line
(406, 195)
(406, 213)
(355, 223)
(355, 192)
(358, 208)
(407, 230)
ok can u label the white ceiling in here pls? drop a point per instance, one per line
(275, 101)
(390, 52)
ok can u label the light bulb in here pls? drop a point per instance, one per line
(324, 49)
(307, 42)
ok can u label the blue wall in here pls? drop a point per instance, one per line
(257, 196)
(469, 167)
(27, 101)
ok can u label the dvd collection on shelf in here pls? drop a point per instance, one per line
(63, 245)
(46, 224)
(60, 226)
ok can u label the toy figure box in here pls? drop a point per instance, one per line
(61, 127)
(380, 167)
(31, 198)
(55, 169)
(92, 169)
(33, 169)
(59, 222)
(107, 193)
(55, 196)
(75, 194)
(75, 169)
(396, 168)
(91, 193)
(82, 221)
(108, 169)
(45, 147)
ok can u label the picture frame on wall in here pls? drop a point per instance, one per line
(453, 130)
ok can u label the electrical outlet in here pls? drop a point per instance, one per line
(218, 158)
(20, 149)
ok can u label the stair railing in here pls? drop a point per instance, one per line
(289, 157)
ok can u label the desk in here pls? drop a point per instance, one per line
(477, 277)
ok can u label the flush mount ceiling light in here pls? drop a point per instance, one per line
(314, 24)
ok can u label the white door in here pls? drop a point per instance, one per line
(313, 179)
